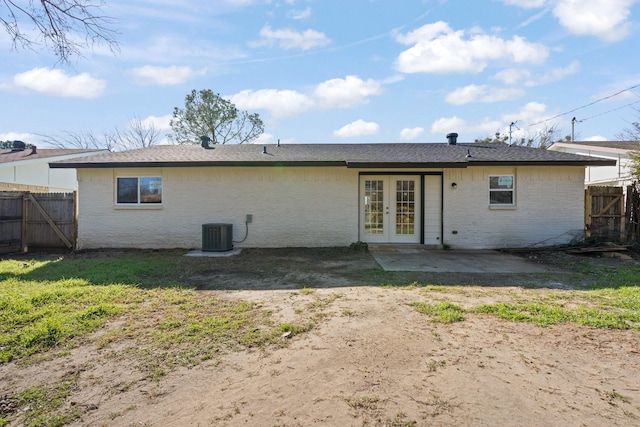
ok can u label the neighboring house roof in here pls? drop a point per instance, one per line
(611, 146)
(9, 156)
(398, 155)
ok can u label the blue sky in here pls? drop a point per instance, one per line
(344, 71)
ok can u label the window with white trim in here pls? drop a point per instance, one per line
(502, 190)
(141, 190)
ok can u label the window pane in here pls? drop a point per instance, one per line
(127, 190)
(501, 197)
(151, 190)
(501, 182)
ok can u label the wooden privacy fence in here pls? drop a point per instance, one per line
(604, 214)
(633, 213)
(45, 220)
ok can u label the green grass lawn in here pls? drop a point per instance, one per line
(51, 304)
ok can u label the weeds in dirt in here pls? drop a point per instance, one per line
(444, 312)
(399, 420)
(614, 395)
(433, 365)
(366, 403)
(41, 405)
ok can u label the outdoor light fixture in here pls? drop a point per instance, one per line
(454, 185)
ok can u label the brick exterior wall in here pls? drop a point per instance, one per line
(318, 207)
(549, 208)
(291, 206)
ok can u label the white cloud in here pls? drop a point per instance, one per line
(555, 74)
(482, 93)
(439, 49)
(512, 76)
(265, 138)
(347, 92)
(172, 75)
(300, 14)
(280, 103)
(530, 112)
(357, 128)
(287, 38)
(58, 83)
(605, 19)
(409, 134)
(17, 136)
(526, 4)
(445, 125)
(161, 123)
(596, 138)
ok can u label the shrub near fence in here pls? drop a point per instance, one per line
(44, 220)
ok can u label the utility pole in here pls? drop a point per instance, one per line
(511, 130)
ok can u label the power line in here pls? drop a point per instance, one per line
(609, 111)
(586, 105)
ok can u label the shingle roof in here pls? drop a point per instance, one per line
(619, 145)
(7, 155)
(398, 155)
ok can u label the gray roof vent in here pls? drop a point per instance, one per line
(452, 138)
(18, 146)
(205, 142)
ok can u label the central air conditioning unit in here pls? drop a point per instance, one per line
(217, 237)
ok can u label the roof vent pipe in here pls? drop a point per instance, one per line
(264, 149)
(18, 146)
(205, 142)
(452, 138)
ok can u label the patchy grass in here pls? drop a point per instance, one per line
(50, 306)
(42, 405)
(444, 312)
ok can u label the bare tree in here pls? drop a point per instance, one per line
(632, 132)
(139, 134)
(542, 139)
(65, 26)
(85, 140)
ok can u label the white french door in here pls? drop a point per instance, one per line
(390, 209)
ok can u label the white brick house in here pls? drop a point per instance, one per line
(471, 196)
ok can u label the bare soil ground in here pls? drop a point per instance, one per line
(370, 360)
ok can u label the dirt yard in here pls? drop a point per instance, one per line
(370, 359)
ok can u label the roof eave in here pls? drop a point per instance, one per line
(544, 163)
(174, 164)
(406, 165)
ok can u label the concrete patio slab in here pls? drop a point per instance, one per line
(398, 258)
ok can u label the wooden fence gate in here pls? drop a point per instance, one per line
(45, 220)
(604, 216)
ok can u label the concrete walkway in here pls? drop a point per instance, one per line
(398, 258)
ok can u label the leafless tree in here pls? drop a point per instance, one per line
(138, 134)
(631, 132)
(64, 26)
(86, 140)
(542, 139)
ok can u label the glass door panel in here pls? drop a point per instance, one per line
(390, 209)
